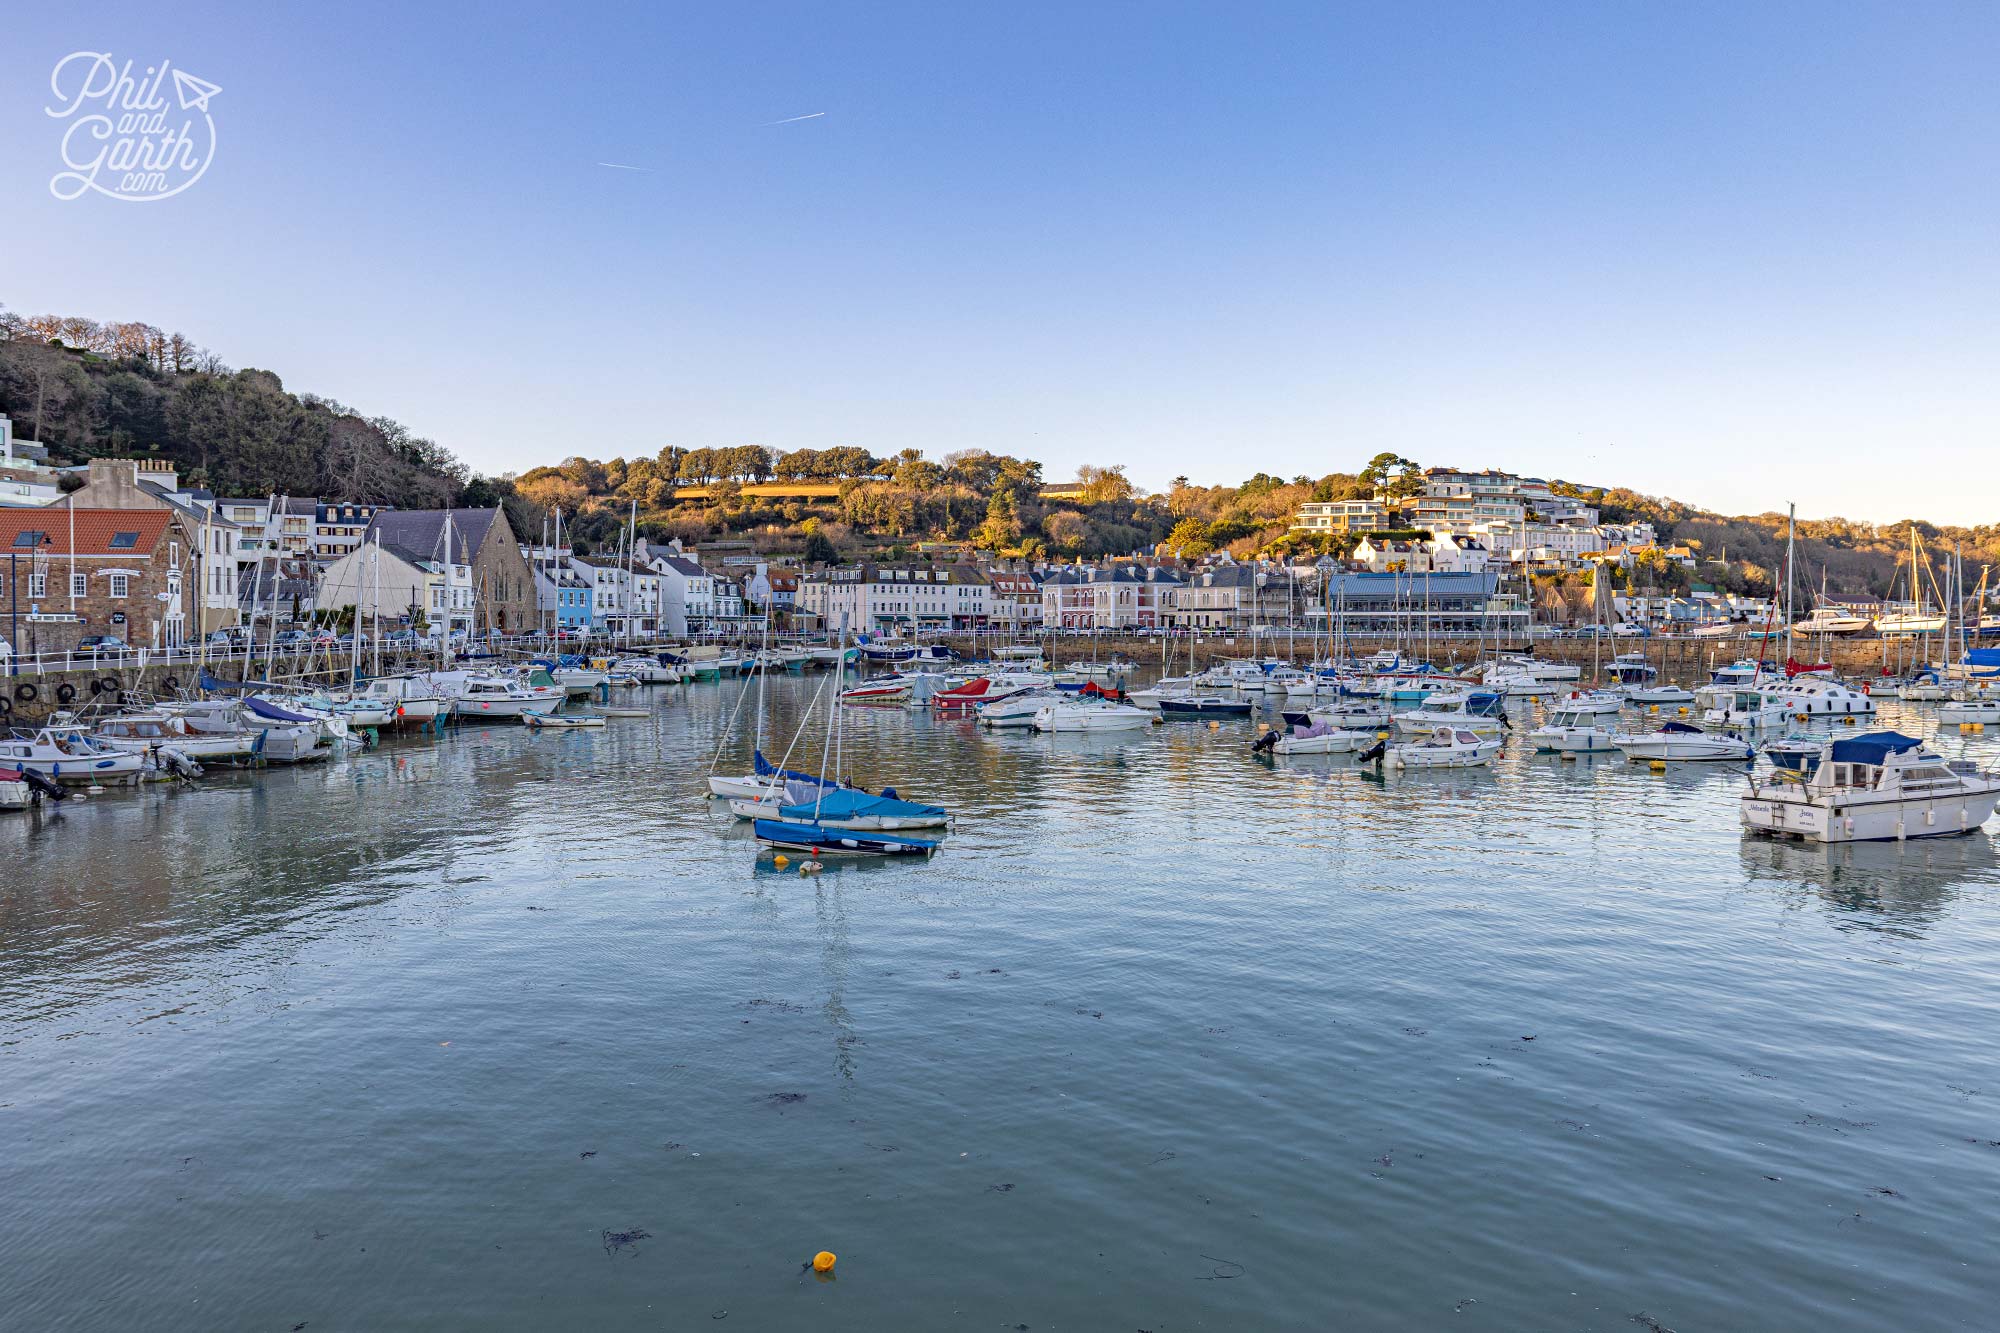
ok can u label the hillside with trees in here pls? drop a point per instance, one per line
(87, 389)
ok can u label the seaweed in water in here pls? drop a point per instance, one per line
(785, 1098)
(615, 1241)
(1650, 1324)
(1220, 1271)
(1000, 1189)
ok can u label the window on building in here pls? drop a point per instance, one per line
(124, 541)
(30, 537)
(79, 585)
(38, 585)
(120, 584)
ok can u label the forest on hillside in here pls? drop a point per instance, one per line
(86, 389)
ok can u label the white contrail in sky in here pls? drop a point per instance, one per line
(620, 166)
(789, 119)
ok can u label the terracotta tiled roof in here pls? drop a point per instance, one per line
(96, 530)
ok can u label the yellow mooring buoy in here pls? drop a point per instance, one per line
(781, 860)
(823, 1262)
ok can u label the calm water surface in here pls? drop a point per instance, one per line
(511, 1031)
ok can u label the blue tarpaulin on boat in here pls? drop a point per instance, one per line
(783, 833)
(844, 805)
(1873, 748)
(766, 769)
(1680, 727)
(272, 713)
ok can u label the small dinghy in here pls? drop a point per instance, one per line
(820, 840)
(562, 721)
(626, 712)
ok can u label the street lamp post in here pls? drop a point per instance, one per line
(14, 607)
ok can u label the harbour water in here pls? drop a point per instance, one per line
(512, 1031)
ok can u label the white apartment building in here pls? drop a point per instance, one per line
(883, 598)
(1118, 597)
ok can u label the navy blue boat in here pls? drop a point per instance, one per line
(1204, 706)
(817, 838)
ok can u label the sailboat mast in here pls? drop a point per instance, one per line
(1791, 537)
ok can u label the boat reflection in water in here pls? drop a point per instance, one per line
(1906, 887)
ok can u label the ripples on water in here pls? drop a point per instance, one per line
(1166, 1038)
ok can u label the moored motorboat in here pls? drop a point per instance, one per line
(1314, 738)
(1678, 742)
(1202, 705)
(1571, 731)
(67, 754)
(1877, 787)
(1444, 747)
(1074, 713)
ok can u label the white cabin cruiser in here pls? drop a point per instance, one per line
(1819, 696)
(1476, 711)
(277, 736)
(1594, 702)
(1657, 694)
(1571, 731)
(1445, 747)
(1631, 669)
(1872, 788)
(408, 698)
(1354, 715)
(153, 733)
(1165, 687)
(67, 754)
(1520, 664)
(1963, 710)
(1831, 620)
(1678, 742)
(1737, 707)
(1314, 738)
(652, 671)
(496, 696)
(1016, 711)
(1075, 714)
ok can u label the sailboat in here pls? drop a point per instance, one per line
(807, 827)
(762, 782)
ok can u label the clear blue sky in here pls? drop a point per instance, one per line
(1736, 254)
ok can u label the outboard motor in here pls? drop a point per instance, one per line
(179, 763)
(44, 784)
(1265, 743)
(1372, 753)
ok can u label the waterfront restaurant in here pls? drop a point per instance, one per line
(1392, 604)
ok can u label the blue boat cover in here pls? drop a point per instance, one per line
(855, 805)
(838, 839)
(1680, 727)
(271, 712)
(765, 768)
(1873, 748)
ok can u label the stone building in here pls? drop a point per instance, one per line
(68, 574)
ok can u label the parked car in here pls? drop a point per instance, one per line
(102, 645)
(290, 637)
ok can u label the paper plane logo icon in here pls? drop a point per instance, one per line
(194, 93)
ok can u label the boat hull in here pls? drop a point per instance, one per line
(1885, 821)
(821, 840)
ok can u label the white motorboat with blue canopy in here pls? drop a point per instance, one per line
(1878, 787)
(1477, 711)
